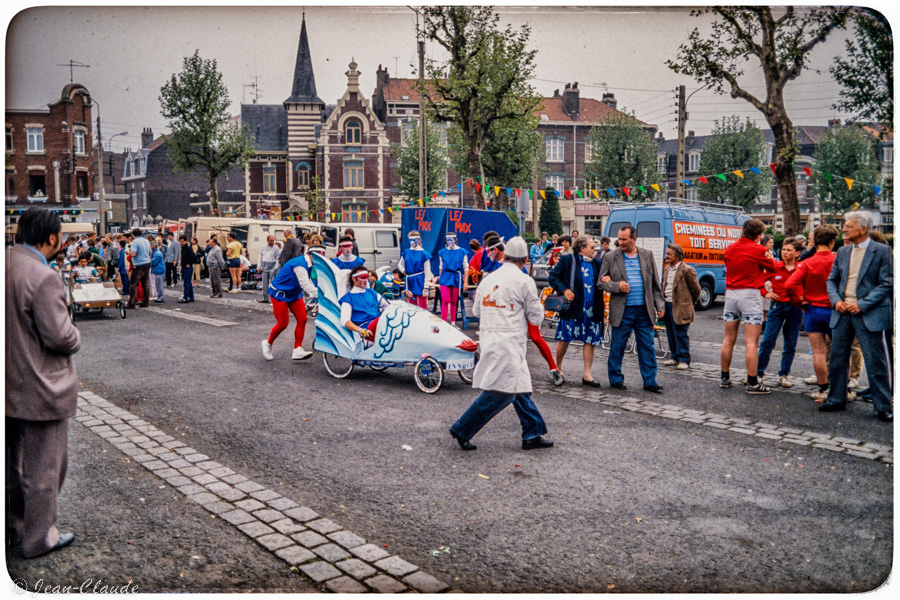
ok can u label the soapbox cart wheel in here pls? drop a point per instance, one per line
(121, 307)
(429, 375)
(337, 366)
(467, 375)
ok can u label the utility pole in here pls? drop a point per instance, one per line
(422, 165)
(102, 192)
(679, 159)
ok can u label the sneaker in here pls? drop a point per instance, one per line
(811, 380)
(725, 382)
(819, 396)
(785, 382)
(267, 350)
(683, 366)
(234, 291)
(300, 354)
(670, 362)
(757, 389)
(558, 378)
(853, 384)
(851, 396)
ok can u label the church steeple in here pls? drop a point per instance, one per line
(304, 88)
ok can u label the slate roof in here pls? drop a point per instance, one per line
(304, 88)
(267, 124)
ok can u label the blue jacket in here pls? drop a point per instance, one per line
(874, 284)
(157, 263)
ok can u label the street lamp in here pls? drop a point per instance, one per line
(109, 142)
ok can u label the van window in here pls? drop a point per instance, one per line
(279, 235)
(386, 239)
(648, 229)
(615, 227)
(330, 234)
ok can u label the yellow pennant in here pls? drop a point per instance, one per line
(739, 174)
(655, 186)
(596, 194)
(496, 190)
(544, 197)
(849, 183)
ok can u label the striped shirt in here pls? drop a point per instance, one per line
(635, 295)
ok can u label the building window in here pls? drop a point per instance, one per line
(353, 175)
(38, 184)
(303, 177)
(9, 139)
(35, 139)
(888, 155)
(134, 203)
(555, 181)
(694, 161)
(354, 132)
(269, 180)
(661, 163)
(588, 152)
(555, 149)
(79, 142)
(691, 193)
(81, 185)
(144, 195)
(10, 185)
(357, 211)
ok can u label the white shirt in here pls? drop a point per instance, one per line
(269, 254)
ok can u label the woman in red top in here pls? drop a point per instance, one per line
(807, 286)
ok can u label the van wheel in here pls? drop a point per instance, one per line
(707, 296)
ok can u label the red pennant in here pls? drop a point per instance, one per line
(808, 172)
(703, 179)
(477, 187)
(627, 191)
(772, 166)
(568, 195)
(469, 181)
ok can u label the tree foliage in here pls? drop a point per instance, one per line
(436, 163)
(550, 219)
(316, 201)
(780, 45)
(623, 154)
(485, 79)
(734, 146)
(867, 73)
(844, 152)
(203, 138)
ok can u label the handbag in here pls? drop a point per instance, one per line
(558, 303)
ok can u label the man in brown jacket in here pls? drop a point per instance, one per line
(41, 385)
(680, 290)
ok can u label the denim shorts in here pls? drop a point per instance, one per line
(817, 319)
(744, 305)
(234, 263)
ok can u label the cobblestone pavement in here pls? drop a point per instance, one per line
(335, 559)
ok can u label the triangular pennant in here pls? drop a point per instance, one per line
(808, 171)
(655, 186)
(459, 185)
(739, 174)
(612, 192)
(469, 181)
(773, 166)
(687, 182)
(443, 194)
(722, 177)
(877, 189)
(543, 195)
(755, 170)
(568, 195)
(579, 194)
(596, 194)
(480, 179)
(557, 193)
(827, 176)
(530, 194)
(849, 183)
(518, 192)
(702, 180)
(497, 190)
(627, 192)
(640, 187)
(477, 187)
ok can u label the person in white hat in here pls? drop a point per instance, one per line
(506, 302)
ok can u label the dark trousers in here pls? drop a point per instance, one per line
(36, 461)
(124, 277)
(171, 274)
(187, 274)
(679, 342)
(489, 404)
(215, 280)
(872, 344)
(140, 275)
(782, 316)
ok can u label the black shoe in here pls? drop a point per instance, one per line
(887, 417)
(263, 301)
(183, 301)
(618, 385)
(656, 389)
(833, 407)
(463, 443)
(592, 383)
(215, 295)
(535, 443)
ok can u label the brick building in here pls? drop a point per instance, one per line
(48, 155)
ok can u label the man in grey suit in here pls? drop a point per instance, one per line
(859, 288)
(41, 385)
(636, 301)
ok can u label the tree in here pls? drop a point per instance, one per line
(733, 146)
(867, 75)
(844, 152)
(203, 138)
(485, 80)
(781, 45)
(316, 202)
(550, 219)
(407, 155)
(623, 154)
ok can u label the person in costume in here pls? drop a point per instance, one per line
(416, 264)
(286, 294)
(361, 306)
(346, 259)
(453, 264)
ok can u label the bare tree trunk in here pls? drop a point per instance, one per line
(785, 153)
(214, 196)
(473, 155)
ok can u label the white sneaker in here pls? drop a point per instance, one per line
(851, 396)
(669, 362)
(785, 382)
(558, 378)
(300, 354)
(683, 366)
(811, 380)
(853, 384)
(819, 396)
(267, 350)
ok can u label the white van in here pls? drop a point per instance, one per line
(379, 243)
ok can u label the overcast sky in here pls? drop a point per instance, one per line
(132, 51)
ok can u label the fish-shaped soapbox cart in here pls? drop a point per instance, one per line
(406, 335)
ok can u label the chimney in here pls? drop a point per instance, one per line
(661, 137)
(570, 99)
(556, 93)
(381, 78)
(146, 137)
(609, 100)
(690, 133)
(834, 122)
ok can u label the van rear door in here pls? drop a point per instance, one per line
(386, 249)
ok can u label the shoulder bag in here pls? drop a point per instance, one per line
(557, 302)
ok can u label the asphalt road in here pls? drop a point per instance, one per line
(627, 501)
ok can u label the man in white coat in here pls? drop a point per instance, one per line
(505, 302)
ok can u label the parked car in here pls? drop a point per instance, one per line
(540, 268)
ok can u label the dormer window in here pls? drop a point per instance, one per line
(354, 132)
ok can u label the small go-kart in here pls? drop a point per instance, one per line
(406, 335)
(82, 297)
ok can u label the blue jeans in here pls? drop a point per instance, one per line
(489, 404)
(159, 280)
(123, 275)
(679, 342)
(781, 316)
(187, 274)
(635, 318)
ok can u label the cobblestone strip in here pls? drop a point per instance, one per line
(338, 560)
(748, 427)
(190, 317)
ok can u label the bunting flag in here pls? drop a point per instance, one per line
(469, 181)
(702, 180)
(640, 187)
(627, 192)
(877, 189)
(530, 194)
(543, 195)
(508, 192)
(655, 186)
(827, 176)
(443, 194)
(596, 194)
(849, 183)
(497, 190)
(739, 174)
(568, 195)
(756, 170)
(557, 194)
(612, 192)
(579, 194)
(459, 185)
(808, 171)
(722, 177)
(518, 193)
(477, 187)
(773, 166)
(686, 182)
